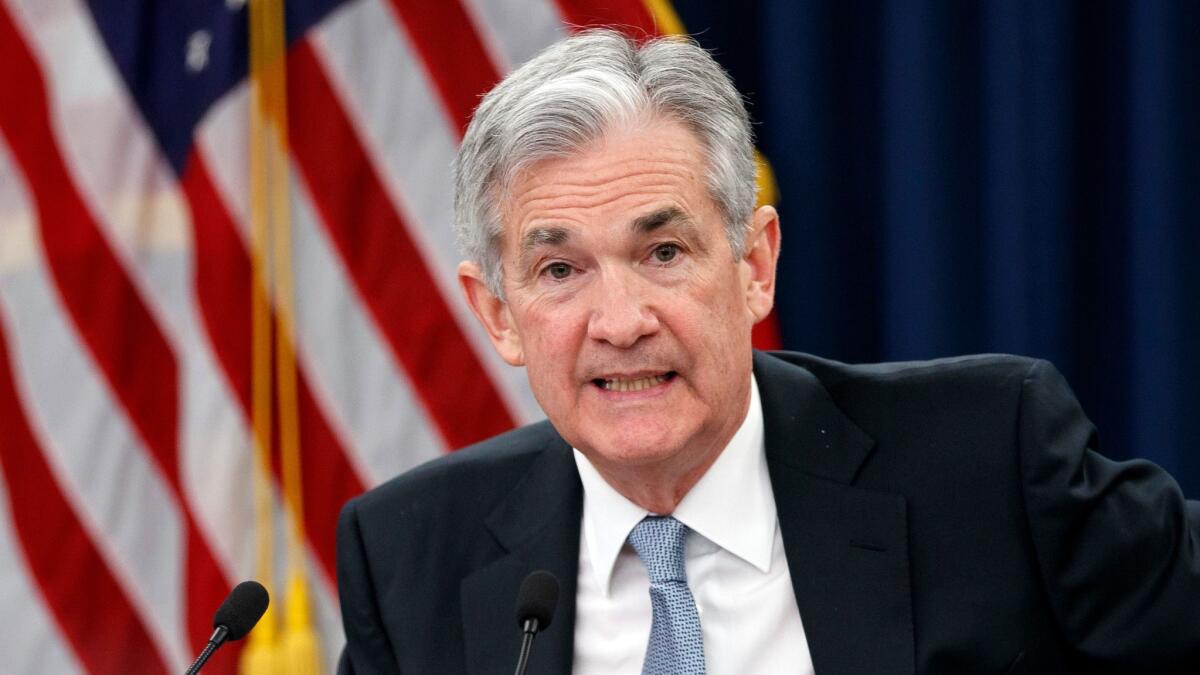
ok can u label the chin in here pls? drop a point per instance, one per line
(640, 448)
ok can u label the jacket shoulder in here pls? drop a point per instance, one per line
(465, 481)
(976, 396)
(972, 367)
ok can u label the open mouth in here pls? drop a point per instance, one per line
(633, 384)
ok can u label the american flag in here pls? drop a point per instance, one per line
(127, 506)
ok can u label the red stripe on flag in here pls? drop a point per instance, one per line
(386, 266)
(329, 481)
(223, 277)
(453, 54)
(104, 306)
(629, 16)
(766, 333)
(85, 600)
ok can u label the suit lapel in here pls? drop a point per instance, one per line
(538, 527)
(847, 548)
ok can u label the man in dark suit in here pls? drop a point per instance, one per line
(711, 509)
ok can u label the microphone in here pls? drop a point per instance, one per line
(242, 608)
(535, 610)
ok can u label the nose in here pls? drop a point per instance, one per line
(621, 311)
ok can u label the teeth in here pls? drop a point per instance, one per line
(634, 385)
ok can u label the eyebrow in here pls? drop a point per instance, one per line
(661, 218)
(538, 237)
(543, 236)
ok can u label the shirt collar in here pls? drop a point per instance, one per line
(732, 504)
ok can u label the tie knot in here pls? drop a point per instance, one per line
(658, 541)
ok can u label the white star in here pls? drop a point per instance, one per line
(197, 50)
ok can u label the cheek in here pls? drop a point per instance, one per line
(551, 345)
(726, 333)
(723, 308)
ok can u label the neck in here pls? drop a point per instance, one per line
(658, 490)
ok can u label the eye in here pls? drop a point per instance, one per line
(557, 271)
(665, 253)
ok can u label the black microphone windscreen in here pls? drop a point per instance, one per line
(537, 599)
(243, 607)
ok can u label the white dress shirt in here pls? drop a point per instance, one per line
(735, 565)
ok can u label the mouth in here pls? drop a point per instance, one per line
(629, 384)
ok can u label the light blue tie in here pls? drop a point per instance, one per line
(676, 643)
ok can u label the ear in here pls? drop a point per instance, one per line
(492, 312)
(762, 254)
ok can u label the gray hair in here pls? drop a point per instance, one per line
(570, 95)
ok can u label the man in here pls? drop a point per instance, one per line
(712, 509)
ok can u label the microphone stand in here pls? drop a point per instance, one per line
(217, 639)
(528, 632)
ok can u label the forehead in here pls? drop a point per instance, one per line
(621, 176)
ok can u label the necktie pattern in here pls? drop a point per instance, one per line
(676, 644)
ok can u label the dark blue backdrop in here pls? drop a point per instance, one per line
(996, 176)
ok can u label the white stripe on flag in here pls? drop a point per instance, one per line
(327, 616)
(30, 642)
(115, 489)
(411, 144)
(516, 29)
(349, 366)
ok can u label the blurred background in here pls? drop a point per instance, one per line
(227, 296)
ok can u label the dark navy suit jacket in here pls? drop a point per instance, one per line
(940, 517)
